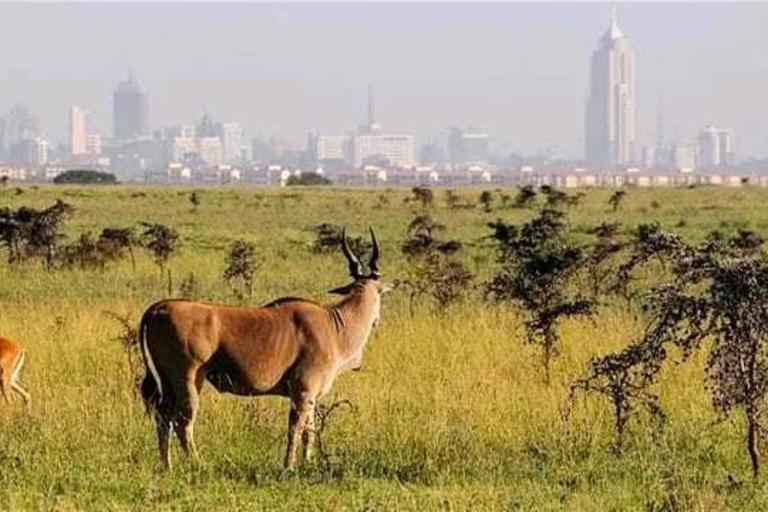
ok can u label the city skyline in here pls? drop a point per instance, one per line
(529, 97)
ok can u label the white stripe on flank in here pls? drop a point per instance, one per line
(150, 363)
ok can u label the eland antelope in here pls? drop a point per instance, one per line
(12, 359)
(291, 347)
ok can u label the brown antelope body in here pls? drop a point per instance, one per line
(12, 360)
(291, 347)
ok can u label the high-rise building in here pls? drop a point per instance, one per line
(684, 157)
(30, 152)
(232, 137)
(467, 147)
(210, 150)
(333, 147)
(611, 107)
(130, 110)
(78, 130)
(391, 150)
(725, 143)
(93, 144)
(715, 147)
(709, 148)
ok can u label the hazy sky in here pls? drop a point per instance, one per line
(518, 71)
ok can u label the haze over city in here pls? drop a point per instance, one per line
(519, 72)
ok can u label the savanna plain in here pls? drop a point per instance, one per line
(451, 409)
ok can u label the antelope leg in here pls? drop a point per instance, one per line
(309, 433)
(185, 420)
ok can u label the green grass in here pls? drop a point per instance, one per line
(451, 410)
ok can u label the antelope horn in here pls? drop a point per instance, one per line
(355, 269)
(374, 263)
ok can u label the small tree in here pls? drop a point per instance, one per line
(616, 199)
(486, 200)
(328, 239)
(537, 263)
(194, 199)
(422, 238)
(84, 253)
(525, 197)
(240, 267)
(42, 230)
(113, 243)
(162, 242)
(423, 195)
(434, 272)
(452, 199)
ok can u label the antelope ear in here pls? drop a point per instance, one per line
(342, 290)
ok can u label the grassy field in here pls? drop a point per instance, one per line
(451, 410)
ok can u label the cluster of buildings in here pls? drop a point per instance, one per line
(213, 151)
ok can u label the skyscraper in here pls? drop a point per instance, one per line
(715, 147)
(232, 136)
(130, 110)
(78, 130)
(467, 147)
(610, 114)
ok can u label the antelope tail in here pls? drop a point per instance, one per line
(152, 386)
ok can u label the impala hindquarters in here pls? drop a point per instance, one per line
(291, 347)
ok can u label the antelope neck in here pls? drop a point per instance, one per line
(355, 317)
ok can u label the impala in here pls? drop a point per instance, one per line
(291, 347)
(12, 359)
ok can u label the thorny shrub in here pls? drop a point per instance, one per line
(240, 267)
(434, 271)
(28, 233)
(716, 295)
(537, 263)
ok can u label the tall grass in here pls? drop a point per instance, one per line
(451, 407)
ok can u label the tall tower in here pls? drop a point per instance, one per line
(130, 110)
(370, 127)
(610, 114)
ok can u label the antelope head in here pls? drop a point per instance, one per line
(366, 288)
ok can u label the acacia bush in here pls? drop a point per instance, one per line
(328, 239)
(162, 242)
(240, 261)
(28, 233)
(556, 198)
(114, 243)
(526, 197)
(537, 263)
(83, 253)
(716, 295)
(616, 199)
(434, 270)
(486, 200)
(423, 195)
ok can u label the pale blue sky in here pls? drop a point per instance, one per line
(519, 71)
